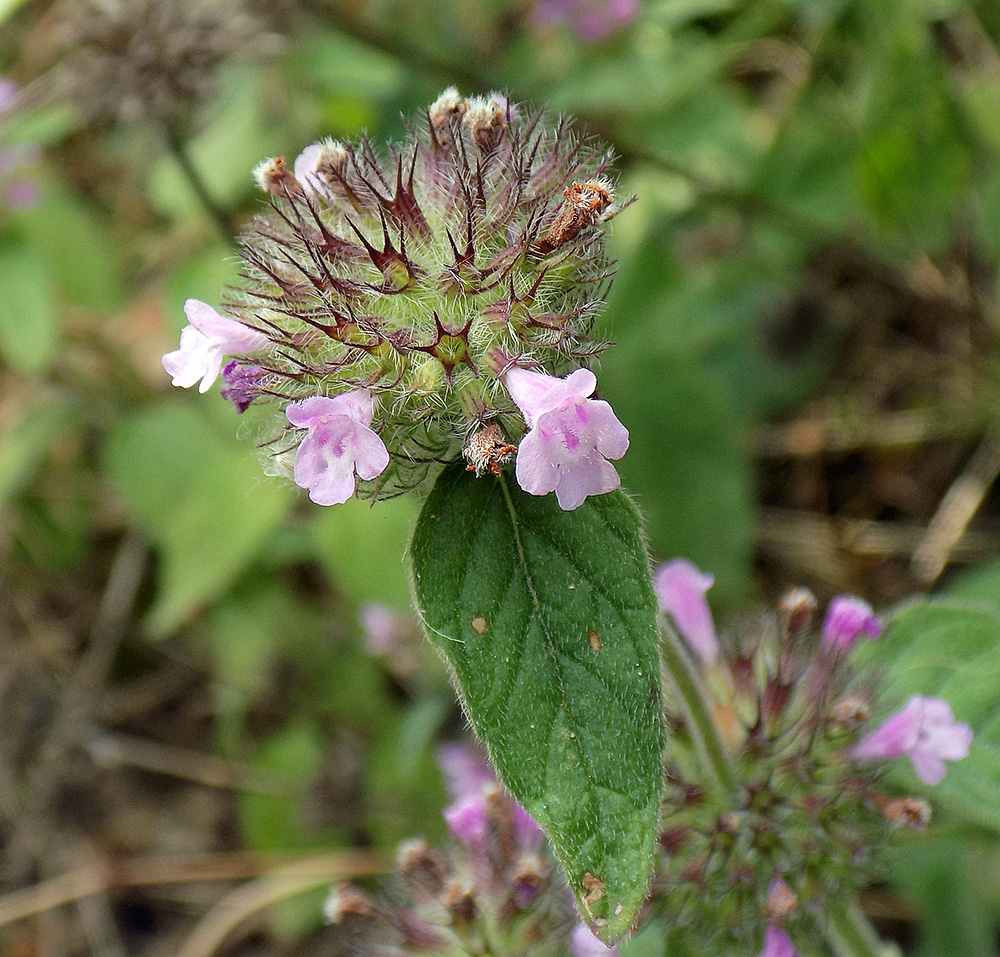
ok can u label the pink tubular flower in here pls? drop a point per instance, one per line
(205, 342)
(570, 437)
(925, 731)
(777, 943)
(339, 446)
(847, 619)
(680, 588)
(585, 944)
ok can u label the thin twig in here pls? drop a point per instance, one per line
(149, 872)
(107, 747)
(959, 504)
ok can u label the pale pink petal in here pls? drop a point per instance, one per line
(777, 943)
(594, 476)
(305, 168)
(233, 337)
(535, 393)
(338, 447)
(847, 619)
(585, 944)
(681, 587)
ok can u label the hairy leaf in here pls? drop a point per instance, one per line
(548, 622)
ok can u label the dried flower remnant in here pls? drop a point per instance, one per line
(431, 280)
(151, 59)
(925, 731)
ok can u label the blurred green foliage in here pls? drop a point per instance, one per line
(757, 133)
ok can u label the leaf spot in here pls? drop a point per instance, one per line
(480, 625)
(594, 638)
(593, 887)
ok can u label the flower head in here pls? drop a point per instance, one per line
(847, 619)
(421, 274)
(680, 588)
(570, 437)
(339, 447)
(204, 342)
(925, 731)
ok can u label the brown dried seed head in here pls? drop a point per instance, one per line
(912, 813)
(850, 711)
(583, 205)
(275, 179)
(486, 451)
(447, 109)
(782, 902)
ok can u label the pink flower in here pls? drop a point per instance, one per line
(585, 944)
(205, 342)
(305, 168)
(470, 781)
(925, 731)
(570, 437)
(777, 943)
(338, 447)
(593, 20)
(681, 587)
(847, 619)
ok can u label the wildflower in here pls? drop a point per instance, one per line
(847, 619)
(570, 437)
(925, 731)
(338, 446)
(471, 783)
(681, 588)
(205, 342)
(421, 273)
(593, 20)
(777, 943)
(585, 944)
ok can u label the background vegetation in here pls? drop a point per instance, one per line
(806, 313)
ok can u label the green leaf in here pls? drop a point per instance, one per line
(510, 588)
(952, 651)
(196, 491)
(29, 330)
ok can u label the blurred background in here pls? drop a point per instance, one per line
(213, 698)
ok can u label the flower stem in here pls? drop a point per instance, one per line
(177, 149)
(697, 710)
(848, 930)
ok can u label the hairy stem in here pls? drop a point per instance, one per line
(848, 930)
(697, 711)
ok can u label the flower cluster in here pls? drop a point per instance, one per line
(801, 823)
(492, 889)
(436, 301)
